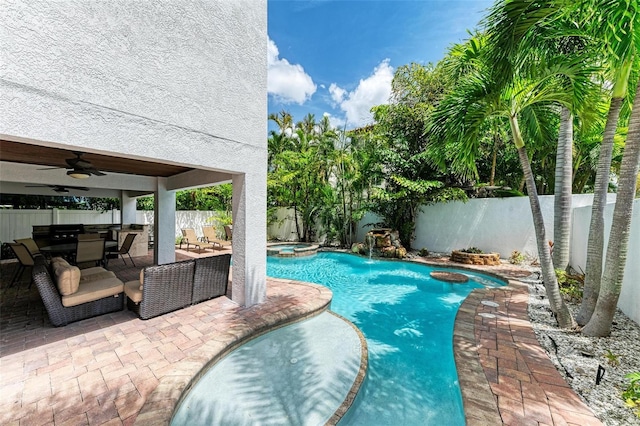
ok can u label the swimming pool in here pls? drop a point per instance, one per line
(407, 318)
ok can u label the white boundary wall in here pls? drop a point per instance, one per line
(499, 225)
(505, 224)
(629, 301)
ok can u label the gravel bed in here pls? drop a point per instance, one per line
(579, 357)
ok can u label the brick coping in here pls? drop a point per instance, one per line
(505, 376)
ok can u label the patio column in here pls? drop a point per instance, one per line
(128, 208)
(164, 224)
(249, 238)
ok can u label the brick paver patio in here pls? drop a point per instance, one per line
(117, 369)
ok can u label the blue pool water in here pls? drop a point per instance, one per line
(407, 318)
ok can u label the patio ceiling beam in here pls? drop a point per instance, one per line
(197, 178)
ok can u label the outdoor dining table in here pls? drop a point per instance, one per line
(69, 248)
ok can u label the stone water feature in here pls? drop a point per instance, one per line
(382, 242)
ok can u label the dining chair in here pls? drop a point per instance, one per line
(30, 244)
(24, 258)
(125, 248)
(90, 251)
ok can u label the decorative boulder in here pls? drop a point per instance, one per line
(385, 242)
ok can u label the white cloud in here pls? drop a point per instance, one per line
(373, 90)
(337, 93)
(287, 82)
(335, 122)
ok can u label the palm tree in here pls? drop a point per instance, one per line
(519, 30)
(600, 322)
(617, 25)
(531, 97)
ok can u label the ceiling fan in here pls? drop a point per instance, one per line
(79, 168)
(61, 189)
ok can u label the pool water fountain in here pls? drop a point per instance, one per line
(383, 242)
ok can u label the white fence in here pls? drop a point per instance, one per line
(19, 223)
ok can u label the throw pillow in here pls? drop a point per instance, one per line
(67, 279)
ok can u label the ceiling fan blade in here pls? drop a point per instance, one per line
(59, 188)
(52, 168)
(96, 172)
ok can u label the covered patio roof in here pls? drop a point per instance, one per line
(24, 164)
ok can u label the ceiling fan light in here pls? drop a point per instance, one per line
(78, 174)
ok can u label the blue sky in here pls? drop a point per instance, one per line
(337, 57)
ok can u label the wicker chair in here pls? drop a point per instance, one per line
(174, 286)
(166, 288)
(211, 277)
(61, 315)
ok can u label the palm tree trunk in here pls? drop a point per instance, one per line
(600, 322)
(494, 160)
(295, 220)
(595, 248)
(562, 192)
(559, 308)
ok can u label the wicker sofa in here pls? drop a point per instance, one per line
(165, 288)
(95, 291)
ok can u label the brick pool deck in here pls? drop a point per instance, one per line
(117, 369)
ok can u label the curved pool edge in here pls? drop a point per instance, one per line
(340, 357)
(359, 379)
(255, 321)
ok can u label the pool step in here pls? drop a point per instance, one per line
(307, 373)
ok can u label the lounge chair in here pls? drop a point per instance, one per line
(211, 237)
(190, 239)
(228, 230)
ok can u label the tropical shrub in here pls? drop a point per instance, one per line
(516, 257)
(570, 285)
(475, 250)
(631, 395)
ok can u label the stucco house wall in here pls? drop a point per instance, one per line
(180, 82)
